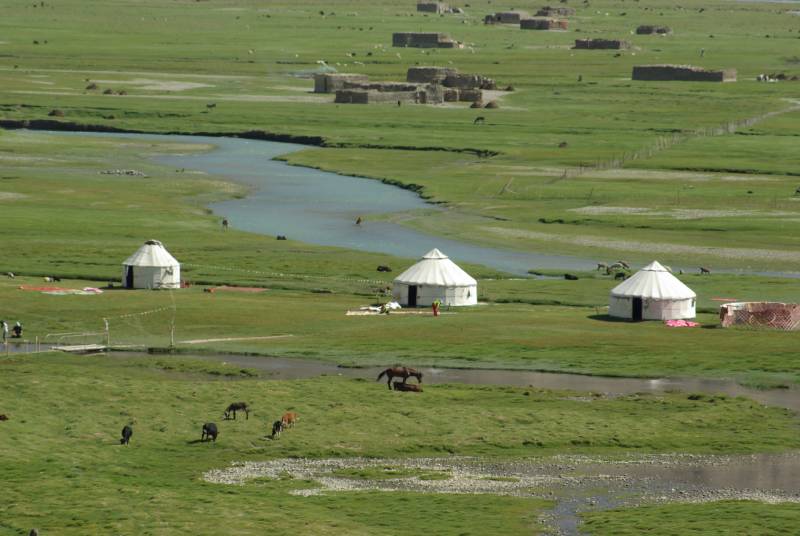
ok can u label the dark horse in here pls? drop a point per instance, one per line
(399, 372)
(237, 406)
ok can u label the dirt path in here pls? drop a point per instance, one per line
(577, 484)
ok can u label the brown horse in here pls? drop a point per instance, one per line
(400, 372)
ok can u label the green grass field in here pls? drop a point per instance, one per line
(689, 173)
(653, 181)
(65, 472)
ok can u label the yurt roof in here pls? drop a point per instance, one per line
(655, 282)
(436, 268)
(152, 253)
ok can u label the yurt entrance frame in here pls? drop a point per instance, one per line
(638, 309)
(129, 277)
(412, 296)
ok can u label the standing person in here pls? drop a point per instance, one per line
(4, 327)
(436, 303)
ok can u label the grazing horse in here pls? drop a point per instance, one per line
(277, 428)
(289, 418)
(407, 387)
(127, 432)
(602, 266)
(237, 406)
(704, 271)
(209, 432)
(400, 372)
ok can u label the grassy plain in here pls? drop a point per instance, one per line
(65, 218)
(740, 518)
(65, 472)
(730, 205)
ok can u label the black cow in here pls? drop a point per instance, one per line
(277, 428)
(209, 432)
(127, 432)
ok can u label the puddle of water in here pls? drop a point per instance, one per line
(577, 484)
(295, 369)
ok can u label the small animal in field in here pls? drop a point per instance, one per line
(237, 406)
(479, 120)
(209, 432)
(127, 432)
(621, 275)
(224, 223)
(570, 277)
(383, 268)
(10, 275)
(211, 105)
(289, 419)
(280, 237)
(277, 428)
(399, 372)
(704, 271)
(359, 220)
(407, 387)
(602, 266)
(33, 532)
(3, 417)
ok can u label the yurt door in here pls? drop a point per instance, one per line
(412, 296)
(637, 309)
(129, 277)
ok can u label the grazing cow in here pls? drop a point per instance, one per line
(280, 237)
(624, 264)
(33, 532)
(400, 372)
(602, 266)
(209, 432)
(277, 428)
(237, 406)
(621, 275)
(704, 271)
(224, 223)
(127, 432)
(3, 417)
(407, 387)
(570, 277)
(11, 274)
(211, 105)
(383, 268)
(479, 120)
(289, 418)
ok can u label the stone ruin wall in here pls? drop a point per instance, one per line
(422, 40)
(596, 44)
(506, 17)
(548, 11)
(428, 75)
(331, 82)
(685, 73)
(543, 24)
(648, 29)
(433, 7)
(429, 94)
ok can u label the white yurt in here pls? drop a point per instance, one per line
(151, 267)
(652, 293)
(435, 277)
